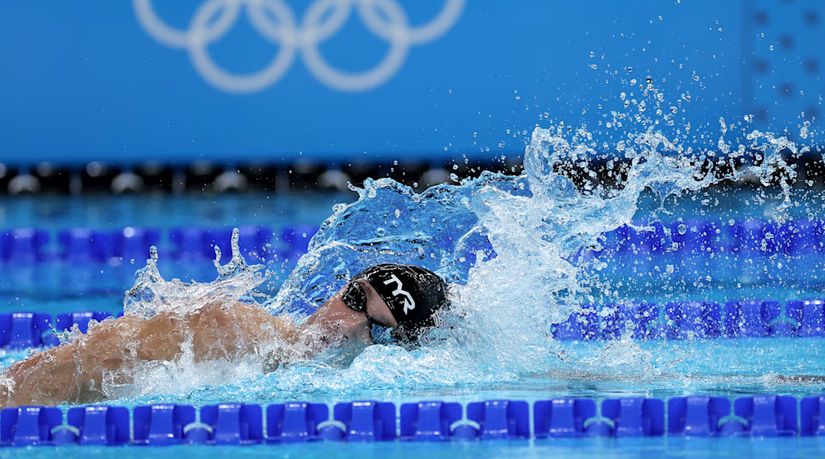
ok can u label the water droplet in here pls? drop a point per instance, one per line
(217, 260)
(803, 132)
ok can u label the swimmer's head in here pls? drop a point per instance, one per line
(412, 294)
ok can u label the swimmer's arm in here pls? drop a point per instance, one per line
(230, 332)
(215, 331)
(74, 372)
(71, 372)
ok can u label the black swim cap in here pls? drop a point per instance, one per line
(412, 293)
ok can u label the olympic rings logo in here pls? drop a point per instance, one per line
(275, 21)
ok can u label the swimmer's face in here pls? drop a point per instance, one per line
(354, 326)
(376, 312)
(377, 308)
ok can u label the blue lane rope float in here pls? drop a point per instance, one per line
(373, 421)
(747, 237)
(21, 330)
(83, 245)
(645, 321)
(695, 319)
(162, 425)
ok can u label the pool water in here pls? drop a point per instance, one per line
(657, 368)
(54, 286)
(569, 448)
(517, 268)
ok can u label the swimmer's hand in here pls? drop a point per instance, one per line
(272, 362)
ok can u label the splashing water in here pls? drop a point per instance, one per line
(520, 252)
(516, 248)
(152, 294)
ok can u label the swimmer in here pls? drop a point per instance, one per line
(401, 297)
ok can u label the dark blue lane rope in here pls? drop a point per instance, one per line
(86, 246)
(749, 237)
(696, 320)
(370, 421)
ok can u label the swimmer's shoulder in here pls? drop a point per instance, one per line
(257, 316)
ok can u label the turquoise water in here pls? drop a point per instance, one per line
(165, 210)
(661, 369)
(521, 253)
(767, 448)
(55, 286)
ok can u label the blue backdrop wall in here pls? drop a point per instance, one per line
(244, 80)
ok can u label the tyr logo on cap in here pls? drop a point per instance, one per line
(409, 302)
